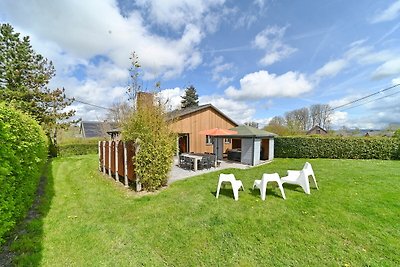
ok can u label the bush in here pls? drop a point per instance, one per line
(157, 145)
(23, 152)
(337, 147)
(78, 149)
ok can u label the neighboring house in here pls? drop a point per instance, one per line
(317, 130)
(90, 129)
(189, 122)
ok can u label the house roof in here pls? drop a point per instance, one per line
(90, 129)
(248, 131)
(178, 113)
(316, 127)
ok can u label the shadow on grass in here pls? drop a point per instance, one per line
(228, 192)
(26, 242)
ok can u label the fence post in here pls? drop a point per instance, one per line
(109, 158)
(137, 149)
(99, 148)
(125, 165)
(116, 161)
(104, 156)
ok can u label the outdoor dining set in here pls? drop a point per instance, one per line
(197, 161)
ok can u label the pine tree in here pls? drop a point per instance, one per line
(24, 79)
(190, 99)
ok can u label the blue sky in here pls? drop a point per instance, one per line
(251, 59)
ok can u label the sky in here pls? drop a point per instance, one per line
(252, 59)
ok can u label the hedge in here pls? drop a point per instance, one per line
(23, 152)
(78, 149)
(337, 147)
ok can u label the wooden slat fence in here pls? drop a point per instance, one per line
(116, 159)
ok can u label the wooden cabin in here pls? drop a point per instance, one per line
(317, 130)
(190, 121)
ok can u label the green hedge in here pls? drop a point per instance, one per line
(337, 147)
(23, 151)
(77, 149)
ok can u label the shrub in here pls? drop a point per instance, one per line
(23, 152)
(337, 147)
(157, 145)
(78, 149)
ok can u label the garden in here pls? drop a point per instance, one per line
(87, 219)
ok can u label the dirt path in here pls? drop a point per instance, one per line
(6, 256)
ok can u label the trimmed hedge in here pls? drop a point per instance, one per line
(78, 149)
(23, 151)
(337, 147)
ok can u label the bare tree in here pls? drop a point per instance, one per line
(252, 124)
(321, 115)
(119, 112)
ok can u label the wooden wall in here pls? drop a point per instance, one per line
(195, 122)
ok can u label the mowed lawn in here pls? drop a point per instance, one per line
(89, 220)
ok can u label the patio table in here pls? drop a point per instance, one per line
(196, 158)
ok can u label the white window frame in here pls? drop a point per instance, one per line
(227, 140)
(208, 140)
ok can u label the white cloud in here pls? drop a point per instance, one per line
(262, 84)
(391, 13)
(178, 13)
(220, 71)
(339, 118)
(396, 81)
(271, 40)
(389, 68)
(331, 68)
(238, 111)
(85, 29)
(171, 97)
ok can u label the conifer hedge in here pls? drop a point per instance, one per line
(23, 151)
(337, 147)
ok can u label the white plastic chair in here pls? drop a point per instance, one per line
(230, 178)
(301, 178)
(262, 184)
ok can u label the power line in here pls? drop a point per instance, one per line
(372, 100)
(364, 97)
(89, 104)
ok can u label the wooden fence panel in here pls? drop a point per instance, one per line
(121, 169)
(109, 160)
(130, 153)
(113, 169)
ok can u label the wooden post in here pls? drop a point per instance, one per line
(137, 149)
(100, 156)
(109, 159)
(125, 165)
(104, 156)
(116, 161)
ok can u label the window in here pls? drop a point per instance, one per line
(227, 140)
(208, 140)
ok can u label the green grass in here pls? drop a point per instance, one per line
(89, 220)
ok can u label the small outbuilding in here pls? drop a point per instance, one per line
(317, 130)
(249, 146)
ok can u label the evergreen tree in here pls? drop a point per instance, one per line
(190, 99)
(24, 78)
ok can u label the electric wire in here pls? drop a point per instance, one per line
(365, 97)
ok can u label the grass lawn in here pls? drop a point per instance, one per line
(88, 220)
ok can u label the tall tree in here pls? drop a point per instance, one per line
(24, 79)
(135, 83)
(320, 114)
(190, 98)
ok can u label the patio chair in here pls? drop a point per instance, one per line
(187, 163)
(230, 178)
(262, 184)
(301, 178)
(204, 163)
